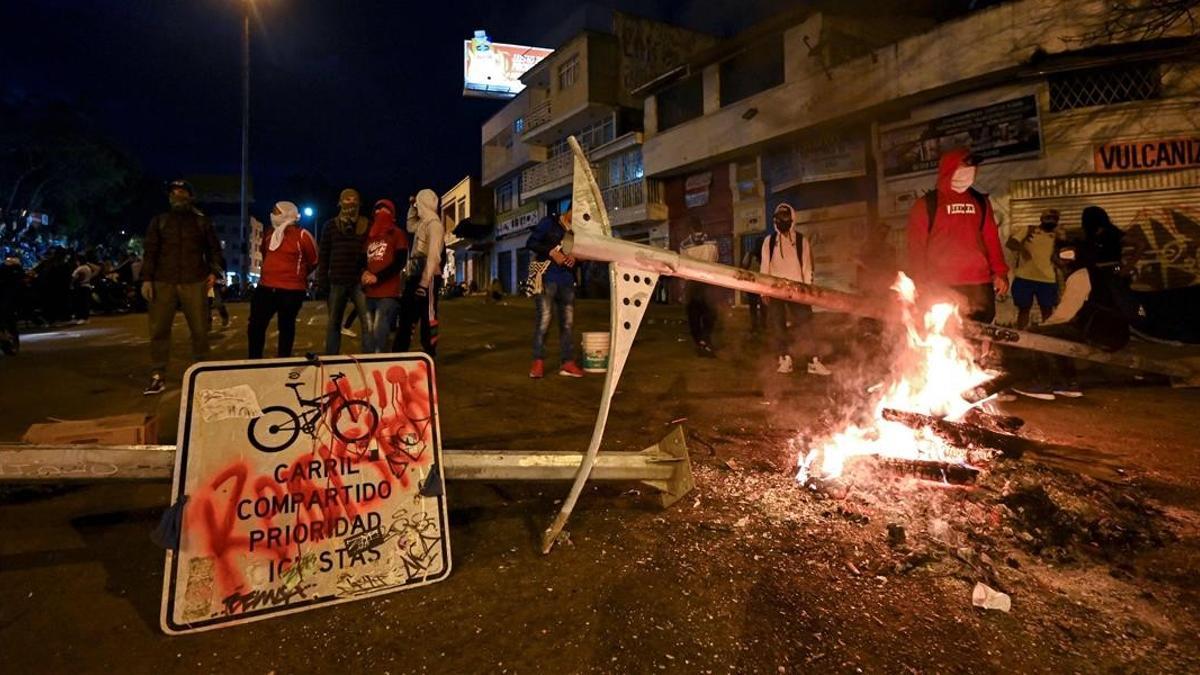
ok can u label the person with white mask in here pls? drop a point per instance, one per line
(953, 240)
(289, 256)
(423, 285)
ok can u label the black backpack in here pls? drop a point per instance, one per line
(799, 245)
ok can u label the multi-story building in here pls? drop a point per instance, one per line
(467, 216)
(1064, 112)
(583, 89)
(219, 197)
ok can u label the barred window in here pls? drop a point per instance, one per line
(568, 73)
(1104, 86)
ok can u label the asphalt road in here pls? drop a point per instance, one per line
(725, 581)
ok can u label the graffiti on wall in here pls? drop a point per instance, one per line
(1170, 241)
(305, 485)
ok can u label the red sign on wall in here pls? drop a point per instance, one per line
(1158, 155)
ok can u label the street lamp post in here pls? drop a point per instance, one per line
(245, 210)
(310, 212)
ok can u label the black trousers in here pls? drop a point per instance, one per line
(757, 315)
(266, 303)
(702, 317)
(414, 310)
(981, 301)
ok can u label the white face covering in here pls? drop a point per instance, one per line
(963, 178)
(288, 215)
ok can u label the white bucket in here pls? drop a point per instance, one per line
(596, 347)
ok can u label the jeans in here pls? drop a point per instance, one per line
(560, 298)
(339, 295)
(778, 314)
(192, 299)
(415, 309)
(381, 314)
(265, 303)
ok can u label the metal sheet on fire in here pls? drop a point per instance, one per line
(307, 484)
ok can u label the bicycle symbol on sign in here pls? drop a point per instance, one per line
(354, 420)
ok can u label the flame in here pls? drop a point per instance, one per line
(933, 369)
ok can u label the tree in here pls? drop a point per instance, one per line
(1135, 20)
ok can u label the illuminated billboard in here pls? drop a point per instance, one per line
(494, 70)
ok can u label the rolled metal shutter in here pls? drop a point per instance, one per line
(1163, 209)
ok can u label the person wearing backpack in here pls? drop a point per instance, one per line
(786, 253)
(1089, 311)
(953, 240)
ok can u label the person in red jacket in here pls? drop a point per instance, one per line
(289, 256)
(953, 242)
(387, 253)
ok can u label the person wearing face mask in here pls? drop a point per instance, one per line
(340, 266)
(183, 257)
(419, 301)
(701, 313)
(386, 253)
(953, 241)
(289, 256)
(1034, 276)
(786, 253)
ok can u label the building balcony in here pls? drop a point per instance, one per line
(538, 115)
(637, 201)
(550, 175)
(502, 157)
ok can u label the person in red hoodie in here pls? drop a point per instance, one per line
(953, 241)
(387, 253)
(289, 256)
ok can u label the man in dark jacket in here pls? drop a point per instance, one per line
(182, 260)
(340, 264)
(557, 296)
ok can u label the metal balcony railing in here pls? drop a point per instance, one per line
(549, 171)
(537, 116)
(631, 194)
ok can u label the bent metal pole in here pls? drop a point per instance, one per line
(590, 246)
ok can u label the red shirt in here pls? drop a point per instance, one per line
(287, 267)
(962, 245)
(386, 255)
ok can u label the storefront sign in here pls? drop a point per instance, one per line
(304, 484)
(1159, 155)
(1005, 130)
(809, 162)
(518, 222)
(695, 189)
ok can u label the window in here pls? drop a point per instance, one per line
(462, 210)
(568, 73)
(1113, 84)
(504, 197)
(597, 133)
(519, 125)
(756, 69)
(681, 102)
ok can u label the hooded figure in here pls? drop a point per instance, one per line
(786, 253)
(1102, 239)
(702, 315)
(339, 270)
(953, 241)
(289, 256)
(419, 301)
(386, 254)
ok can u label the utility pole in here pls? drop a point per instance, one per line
(244, 219)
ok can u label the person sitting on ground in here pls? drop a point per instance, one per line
(1034, 276)
(1090, 312)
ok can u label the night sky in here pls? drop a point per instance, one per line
(362, 93)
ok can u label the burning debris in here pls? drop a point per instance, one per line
(911, 427)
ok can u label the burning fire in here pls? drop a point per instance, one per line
(933, 370)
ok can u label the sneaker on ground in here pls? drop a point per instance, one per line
(569, 369)
(1069, 390)
(538, 369)
(1038, 391)
(785, 365)
(705, 350)
(815, 367)
(349, 333)
(156, 386)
